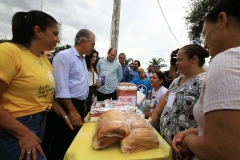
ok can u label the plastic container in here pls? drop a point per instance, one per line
(127, 92)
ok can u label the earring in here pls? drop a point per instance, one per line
(40, 36)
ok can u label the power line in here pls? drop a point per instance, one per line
(167, 23)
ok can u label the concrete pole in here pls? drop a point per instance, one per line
(115, 24)
(41, 4)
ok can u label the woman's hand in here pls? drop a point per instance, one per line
(154, 118)
(178, 144)
(30, 145)
(147, 114)
(68, 121)
(56, 107)
(75, 118)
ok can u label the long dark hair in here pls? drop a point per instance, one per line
(23, 24)
(88, 61)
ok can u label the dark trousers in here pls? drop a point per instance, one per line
(92, 91)
(102, 96)
(58, 135)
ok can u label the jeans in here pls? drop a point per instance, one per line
(9, 147)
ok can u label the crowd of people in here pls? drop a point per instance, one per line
(44, 99)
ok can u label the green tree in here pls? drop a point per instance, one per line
(57, 49)
(100, 58)
(158, 61)
(128, 61)
(195, 18)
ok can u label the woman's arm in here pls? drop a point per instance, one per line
(221, 136)
(28, 141)
(56, 107)
(73, 113)
(159, 108)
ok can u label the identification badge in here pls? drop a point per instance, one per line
(170, 100)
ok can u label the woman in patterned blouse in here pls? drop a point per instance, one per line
(176, 106)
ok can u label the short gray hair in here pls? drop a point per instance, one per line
(83, 34)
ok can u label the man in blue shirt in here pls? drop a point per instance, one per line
(71, 89)
(133, 73)
(125, 70)
(110, 71)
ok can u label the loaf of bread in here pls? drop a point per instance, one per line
(136, 121)
(110, 128)
(139, 139)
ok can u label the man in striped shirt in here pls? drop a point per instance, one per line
(110, 71)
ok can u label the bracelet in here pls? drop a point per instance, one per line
(71, 108)
(65, 117)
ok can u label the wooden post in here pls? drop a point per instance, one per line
(115, 24)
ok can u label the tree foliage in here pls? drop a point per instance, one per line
(158, 61)
(128, 61)
(57, 49)
(100, 58)
(195, 18)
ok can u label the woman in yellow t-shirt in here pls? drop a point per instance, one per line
(27, 85)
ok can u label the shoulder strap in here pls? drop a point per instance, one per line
(93, 79)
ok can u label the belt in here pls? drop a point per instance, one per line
(78, 100)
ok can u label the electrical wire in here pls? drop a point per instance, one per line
(167, 23)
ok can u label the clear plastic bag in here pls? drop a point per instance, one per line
(140, 139)
(110, 128)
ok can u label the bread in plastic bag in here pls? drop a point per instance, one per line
(136, 121)
(140, 139)
(110, 128)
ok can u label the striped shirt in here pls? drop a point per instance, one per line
(112, 72)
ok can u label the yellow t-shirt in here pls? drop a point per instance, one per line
(30, 81)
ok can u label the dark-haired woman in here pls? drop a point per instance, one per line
(176, 106)
(26, 85)
(218, 109)
(91, 61)
(156, 81)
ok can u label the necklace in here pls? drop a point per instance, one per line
(190, 77)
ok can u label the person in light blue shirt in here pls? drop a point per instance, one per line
(110, 71)
(71, 90)
(143, 83)
(125, 69)
(133, 73)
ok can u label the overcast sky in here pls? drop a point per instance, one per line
(143, 32)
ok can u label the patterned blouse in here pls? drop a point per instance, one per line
(180, 116)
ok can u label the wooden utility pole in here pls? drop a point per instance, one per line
(115, 24)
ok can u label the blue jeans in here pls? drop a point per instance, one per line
(9, 147)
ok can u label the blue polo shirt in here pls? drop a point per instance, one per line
(125, 72)
(133, 74)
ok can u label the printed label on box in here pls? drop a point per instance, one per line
(131, 99)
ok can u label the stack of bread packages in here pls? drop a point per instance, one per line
(133, 132)
(111, 127)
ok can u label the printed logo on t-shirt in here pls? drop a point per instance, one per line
(155, 101)
(47, 90)
(50, 76)
(142, 88)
